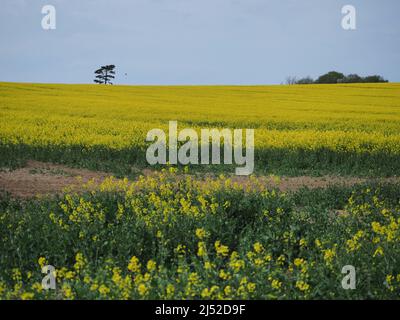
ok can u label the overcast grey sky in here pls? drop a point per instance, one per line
(197, 41)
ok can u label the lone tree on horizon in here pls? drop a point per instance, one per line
(105, 74)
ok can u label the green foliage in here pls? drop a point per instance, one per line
(171, 236)
(333, 77)
(330, 77)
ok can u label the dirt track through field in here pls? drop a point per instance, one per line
(39, 178)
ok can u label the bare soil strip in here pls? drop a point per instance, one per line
(39, 178)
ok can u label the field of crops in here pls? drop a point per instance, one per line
(164, 238)
(350, 129)
(179, 234)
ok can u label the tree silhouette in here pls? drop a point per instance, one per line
(331, 77)
(105, 74)
(336, 77)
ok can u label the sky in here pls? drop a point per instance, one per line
(175, 42)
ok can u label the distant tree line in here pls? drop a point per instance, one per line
(336, 77)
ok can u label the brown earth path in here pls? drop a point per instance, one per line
(39, 178)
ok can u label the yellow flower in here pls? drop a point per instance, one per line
(151, 265)
(180, 250)
(201, 252)
(302, 286)
(27, 296)
(116, 277)
(61, 273)
(377, 228)
(378, 252)
(251, 287)
(147, 277)
(2, 288)
(258, 248)
(94, 287)
(276, 284)
(281, 259)
(224, 275)
(235, 263)
(353, 244)
(304, 269)
(205, 293)
(134, 265)
(201, 233)
(67, 291)
(376, 240)
(193, 278)
(221, 249)
(298, 262)
(389, 279)
(37, 287)
(42, 262)
(228, 290)
(329, 254)
(80, 261)
(142, 289)
(103, 290)
(250, 255)
(258, 262)
(170, 290)
(303, 242)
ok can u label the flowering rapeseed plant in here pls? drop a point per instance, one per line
(149, 247)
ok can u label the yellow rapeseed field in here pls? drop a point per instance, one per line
(172, 235)
(346, 118)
